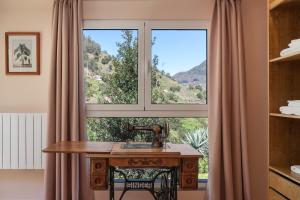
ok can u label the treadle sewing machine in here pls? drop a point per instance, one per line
(173, 163)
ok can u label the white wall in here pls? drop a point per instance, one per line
(24, 93)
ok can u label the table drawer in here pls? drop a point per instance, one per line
(273, 195)
(284, 186)
(189, 181)
(144, 162)
(190, 165)
(98, 182)
(98, 166)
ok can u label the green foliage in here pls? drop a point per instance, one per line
(192, 124)
(200, 95)
(106, 60)
(199, 87)
(93, 65)
(90, 46)
(175, 88)
(203, 167)
(122, 84)
(191, 87)
(198, 140)
(172, 97)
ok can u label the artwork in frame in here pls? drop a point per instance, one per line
(22, 53)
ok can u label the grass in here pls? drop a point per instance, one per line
(203, 176)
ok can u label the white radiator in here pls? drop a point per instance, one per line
(22, 138)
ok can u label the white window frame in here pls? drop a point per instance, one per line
(145, 108)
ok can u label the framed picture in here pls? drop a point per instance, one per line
(22, 53)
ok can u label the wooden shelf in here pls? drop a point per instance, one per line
(292, 57)
(284, 115)
(277, 3)
(286, 172)
(284, 84)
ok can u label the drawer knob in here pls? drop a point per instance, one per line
(98, 165)
(189, 181)
(97, 180)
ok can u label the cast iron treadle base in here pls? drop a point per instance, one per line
(167, 190)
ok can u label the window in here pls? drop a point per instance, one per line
(181, 80)
(144, 73)
(105, 64)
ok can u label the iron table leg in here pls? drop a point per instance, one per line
(168, 190)
(111, 182)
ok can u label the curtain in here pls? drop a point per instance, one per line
(228, 156)
(66, 175)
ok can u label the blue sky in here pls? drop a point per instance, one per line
(178, 50)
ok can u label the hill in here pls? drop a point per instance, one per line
(196, 75)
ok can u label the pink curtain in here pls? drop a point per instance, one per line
(228, 156)
(66, 175)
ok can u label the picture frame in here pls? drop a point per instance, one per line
(22, 51)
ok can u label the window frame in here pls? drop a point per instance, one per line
(145, 108)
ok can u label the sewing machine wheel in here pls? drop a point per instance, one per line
(166, 130)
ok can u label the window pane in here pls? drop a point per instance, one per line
(179, 67)
(111, 66)
(192, 131)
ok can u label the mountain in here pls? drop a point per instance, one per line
(196, 75)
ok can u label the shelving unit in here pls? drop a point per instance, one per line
(278, 3)
(284, 85)
(284, 115)
(286, 172)
(292, 57)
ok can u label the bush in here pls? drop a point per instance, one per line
(198, 140)
(199, 87)
(106, 60)
(172, 97)
(203, 165)
(175, 88)
(200, 95)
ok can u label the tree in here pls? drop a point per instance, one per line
(22, 52)
(122, 83)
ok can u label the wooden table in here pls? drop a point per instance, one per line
(108, 155)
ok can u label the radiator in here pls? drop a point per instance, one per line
(22, 138)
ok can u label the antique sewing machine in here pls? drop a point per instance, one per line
(177, 164)
(160, 135)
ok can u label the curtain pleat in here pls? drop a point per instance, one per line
(228, 155)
